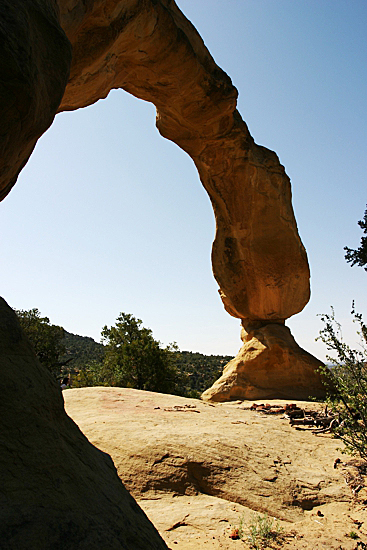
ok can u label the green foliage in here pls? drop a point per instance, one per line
(123, 360)
(197, 371)
(261, 529)
(134, 359)
(82, 350)
(348, 379)
(201, 370)
(90, 375)
(46, 339)
(359, 256)
(241, 528)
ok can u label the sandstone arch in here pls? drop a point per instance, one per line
(258, 259)
(151, 50)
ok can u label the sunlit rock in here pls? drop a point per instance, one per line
(270, 365)
(57, 489)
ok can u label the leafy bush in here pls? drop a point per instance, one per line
(348, 381)
(134, 359)
(359, 256)
(90, 375)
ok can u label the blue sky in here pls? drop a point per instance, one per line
(108, 216)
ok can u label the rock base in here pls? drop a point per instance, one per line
(57, 490)
(270, 365)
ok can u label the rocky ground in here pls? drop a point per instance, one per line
(198, 469)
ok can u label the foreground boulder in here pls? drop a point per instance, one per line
(57, 490)
(197, 468)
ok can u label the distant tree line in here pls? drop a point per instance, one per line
(128, 356)
(47, 340)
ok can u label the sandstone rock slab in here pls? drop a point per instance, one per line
(162, 443)
(57, 491)
(197, 468)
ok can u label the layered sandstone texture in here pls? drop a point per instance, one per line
(198, 468)
(57, 490)
(270, 365)
(151, 50)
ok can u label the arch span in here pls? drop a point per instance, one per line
(150, 49)
(157, 55)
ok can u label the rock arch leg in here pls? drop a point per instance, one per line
(150, 49)
(57, 489)
(258, 258)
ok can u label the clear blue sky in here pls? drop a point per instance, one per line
(108, 216)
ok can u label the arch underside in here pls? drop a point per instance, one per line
(150, 49)
(66, 55)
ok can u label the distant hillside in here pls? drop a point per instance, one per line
(201, 370)
(82, 349)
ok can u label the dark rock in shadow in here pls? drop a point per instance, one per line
(57, 490)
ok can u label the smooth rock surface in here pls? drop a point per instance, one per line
(197, 468)
(270, 365)
(57, 491)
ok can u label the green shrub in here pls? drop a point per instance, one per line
(347, 378)
(261, 529)
(90, 375)
(47, 340)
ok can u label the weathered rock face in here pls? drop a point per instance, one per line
(178, 446)
(270, 365)
(152, 51)
(57, 490)
(35, 58)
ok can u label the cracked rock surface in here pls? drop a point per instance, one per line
(195, 468)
